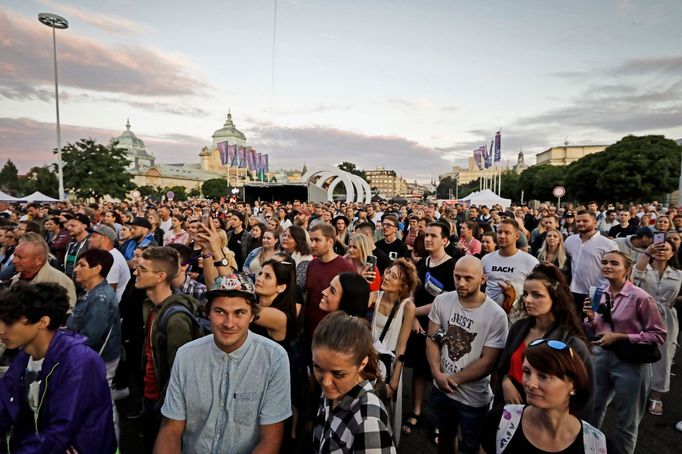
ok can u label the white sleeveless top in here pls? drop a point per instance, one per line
(379, 321)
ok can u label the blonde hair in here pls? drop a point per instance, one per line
(561, 250)
(361, 242)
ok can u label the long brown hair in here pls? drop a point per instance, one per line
(342, 333)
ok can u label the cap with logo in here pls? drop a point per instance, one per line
(232, 285)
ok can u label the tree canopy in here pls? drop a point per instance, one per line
(538, 181)
(214, 188)
(43, 179)
(633, 169)
(9, 178)
(352, 168)
(95, 170)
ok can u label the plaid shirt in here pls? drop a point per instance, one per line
(359, 423)
(194, 289)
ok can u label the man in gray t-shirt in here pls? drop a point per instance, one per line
(473, 330)
(230, 391)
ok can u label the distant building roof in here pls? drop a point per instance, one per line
(180, 172)
(228, 133)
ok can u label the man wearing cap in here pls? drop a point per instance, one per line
(635, 245)
(104, 237)
(245, 408)
(140, 238)
(77, 227)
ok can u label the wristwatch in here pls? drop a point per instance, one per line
(221, 262)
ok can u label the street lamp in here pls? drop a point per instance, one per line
(54, 21)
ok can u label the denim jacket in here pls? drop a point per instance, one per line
(94, 315)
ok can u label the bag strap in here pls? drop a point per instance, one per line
(396, 305)
(175, 309)
(106, 340)
(507, 426)
(594, 441)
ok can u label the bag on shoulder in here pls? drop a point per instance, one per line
(201, 325)
(635, 353)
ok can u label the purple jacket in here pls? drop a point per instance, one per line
(75, 404)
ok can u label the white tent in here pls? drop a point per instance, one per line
(486, 197)
(7, 198)
(37, 197)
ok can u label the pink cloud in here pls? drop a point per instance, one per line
(26, 63)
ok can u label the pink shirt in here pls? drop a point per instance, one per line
(474, 246)
(634, 313)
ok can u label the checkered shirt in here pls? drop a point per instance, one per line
(359, 423)
(194, 289)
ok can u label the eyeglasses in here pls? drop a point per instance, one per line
(553, 344)
(387, 224)
(141, 269)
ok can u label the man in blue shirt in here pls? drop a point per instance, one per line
(230, 391)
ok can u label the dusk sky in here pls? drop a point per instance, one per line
(413, 86)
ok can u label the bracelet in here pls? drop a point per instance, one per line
(647, 254)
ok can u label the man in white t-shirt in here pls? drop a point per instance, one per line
(467, 332)
(104, 237)
(508, 266)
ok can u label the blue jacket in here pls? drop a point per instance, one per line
(96, 316)
(75, 407)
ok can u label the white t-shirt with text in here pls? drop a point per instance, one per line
(513, 269)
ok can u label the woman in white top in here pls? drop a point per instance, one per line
(656, 272)
(254, 261)
(394, 314)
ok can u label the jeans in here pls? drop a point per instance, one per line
(448, 414)
(624, 387)
(151, 422)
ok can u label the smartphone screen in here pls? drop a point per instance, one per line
(659, 237)
(371, 261)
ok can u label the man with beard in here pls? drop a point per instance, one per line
(473, 332)
(586, 249)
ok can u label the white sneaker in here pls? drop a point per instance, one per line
(678, 426)
(118, 394)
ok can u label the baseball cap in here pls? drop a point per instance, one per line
(232, 285)
(508, 214)
(141, 222)
(644, 232)
(569, 214)
(104, 230)
(83, 219)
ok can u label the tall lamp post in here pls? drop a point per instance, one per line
(54, 21)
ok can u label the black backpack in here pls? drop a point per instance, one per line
(203, 326)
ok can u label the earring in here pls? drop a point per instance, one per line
(572, 393)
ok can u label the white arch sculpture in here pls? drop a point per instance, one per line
(357, 189)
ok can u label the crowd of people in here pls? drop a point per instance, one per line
(288, 327)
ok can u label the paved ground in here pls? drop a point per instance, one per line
(657, 434)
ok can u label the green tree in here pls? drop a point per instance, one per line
(538, 181)
(43, 179)
(147, 191)
(194, 192)
(447, 188)
(511, 186)
(9, 178)
(351, 168)
(634, 168)
(95, 170)
(214, 189)
(179, 193)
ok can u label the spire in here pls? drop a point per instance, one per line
(228, 122)
(128, 124)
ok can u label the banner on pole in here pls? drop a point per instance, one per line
(477, 157)
(488, 156)
(266, 167)
(498, 146)
(222, 150)
(241, 157)
(251, 159)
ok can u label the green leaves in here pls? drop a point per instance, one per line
(214, 189)
(94, 170)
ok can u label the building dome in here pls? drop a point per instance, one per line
(228, 133)
(135, 149)
(520, 165)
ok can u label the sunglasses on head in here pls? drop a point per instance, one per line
(553, 344)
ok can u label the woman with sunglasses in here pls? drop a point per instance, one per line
(550, 311)
(626, 314)
(657, 273)
(557, 387)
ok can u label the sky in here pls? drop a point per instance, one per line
(405, 85)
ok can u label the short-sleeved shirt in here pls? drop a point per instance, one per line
(468, 331)
(119, 273)
(513, 269)
(224, 398)
(586, 260)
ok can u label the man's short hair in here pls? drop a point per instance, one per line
(34, 301)
(365, 225)
(327, 230)
(95, 257)
(392, 218)
(591, 214)
(185, 252)
(444, 228)
(511, 222)
(165, 258)
(31, 226)
(37, 241)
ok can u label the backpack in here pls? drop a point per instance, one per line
(202, 326)
(594, 441)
